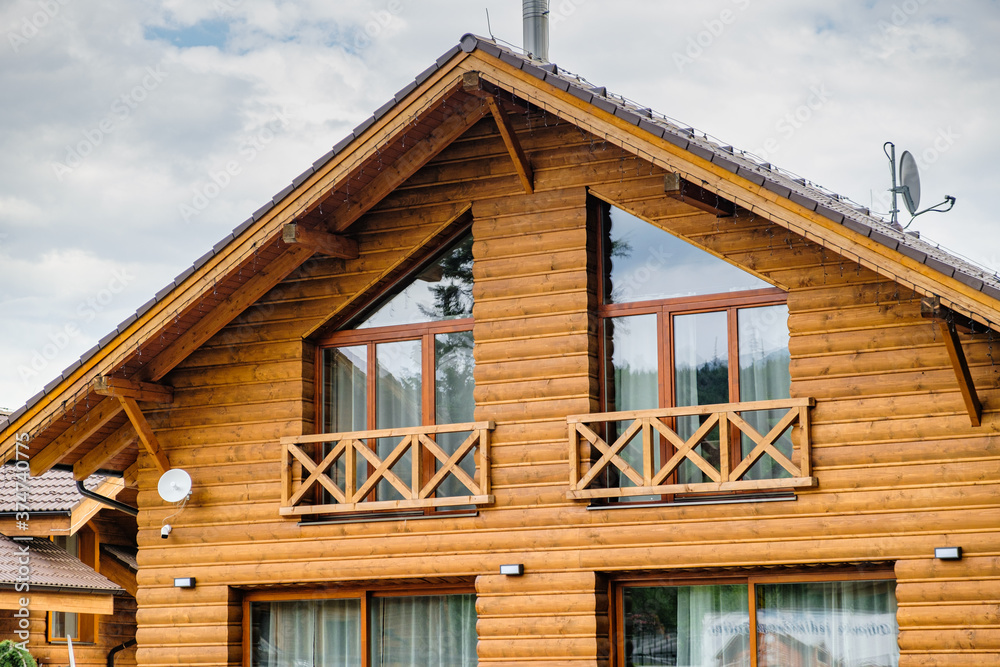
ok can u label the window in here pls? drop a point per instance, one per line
(429, 630)
(63, 624)
(760, 622)
(681, 327)
(406, 362)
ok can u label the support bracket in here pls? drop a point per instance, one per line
(950, 322)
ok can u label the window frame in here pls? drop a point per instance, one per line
(666, 310)
(424, 332)
(87, 552)
(616, 593)
(364, 594)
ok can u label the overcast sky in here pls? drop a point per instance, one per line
(113, 121)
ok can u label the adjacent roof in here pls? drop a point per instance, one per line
(55, 491)
(51, 567)
(132, 350)
(123, 554)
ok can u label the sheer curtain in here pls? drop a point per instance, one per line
(306, 633)
(764, 375)
(701, 377)
(849, 623)
(454, 384)
(689, 626)
(398, 388)
(424, 630)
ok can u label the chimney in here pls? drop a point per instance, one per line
(536, 28)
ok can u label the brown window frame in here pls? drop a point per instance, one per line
(364, 594)
(666, 310)
(616, 592)
(86, 624)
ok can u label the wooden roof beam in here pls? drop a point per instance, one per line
(111, 447)
(74, 436)
(684, 191)
(391, 177)
(333, 245)
(949, 321)
(263, 280)
(473, 84)
(145, 432)
(105, 385)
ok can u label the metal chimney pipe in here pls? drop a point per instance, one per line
(536, 28)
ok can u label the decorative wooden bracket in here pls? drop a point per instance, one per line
(75, 436)
(472, 83)
(145, 432)
(950, 322)
(322, 242)
(105, 385)
(677, 188)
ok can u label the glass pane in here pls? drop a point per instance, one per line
(344, 406)
(764, 376)
(345, 397)
(441, 291)
(454, 403)
(701, 377)
(65, 624)
(631, 382)
(828, 623)
(425, 630)
(306, 632)
(397, 404)
(643, 262)
(687, 625)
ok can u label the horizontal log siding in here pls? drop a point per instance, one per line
(900, 470)
(112, 630)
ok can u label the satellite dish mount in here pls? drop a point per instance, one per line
(909, 186)
(174, 487)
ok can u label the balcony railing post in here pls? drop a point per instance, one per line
(574, 456)
(725, 468)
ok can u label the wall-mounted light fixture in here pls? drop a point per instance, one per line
(948, 553)
(183, 582)
(512, 570)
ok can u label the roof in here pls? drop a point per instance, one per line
(55, 491)
(136, 347)
(123, 554)
(51, 567)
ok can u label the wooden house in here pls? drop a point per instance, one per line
(67, 569)
(523, 373)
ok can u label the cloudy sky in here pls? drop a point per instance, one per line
(117, 123)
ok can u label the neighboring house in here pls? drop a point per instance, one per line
(589, 389)
(73, 561)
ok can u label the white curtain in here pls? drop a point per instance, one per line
(764, 375)
(844, 623)
(307, 633)
(424, 631)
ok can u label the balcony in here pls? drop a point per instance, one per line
(334, 473)
(647, 456)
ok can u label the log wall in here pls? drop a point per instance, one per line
(900, 468)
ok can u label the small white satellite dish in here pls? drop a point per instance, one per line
(174, 485)
(909, 181)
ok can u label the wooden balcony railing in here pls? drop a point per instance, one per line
(593, 461)
(307, 470)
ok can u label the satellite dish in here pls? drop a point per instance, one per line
(909, 181)
(909, 186)
(174, 485)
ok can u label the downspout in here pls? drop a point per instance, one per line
(535, 15)
(104, 500)
(115, 650)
